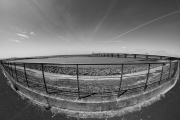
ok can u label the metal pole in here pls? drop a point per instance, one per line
(120, 79)
(9, 67)
(6, 66)
(2, 64)
(169, 70)
(16, 72)
(11, 70)
(147, 77)
(44, 78)
(25, 74)
(161, 74)
(175, 67)
(78, 80)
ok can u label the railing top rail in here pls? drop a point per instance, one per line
(124, 63)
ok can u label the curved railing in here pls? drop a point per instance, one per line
(76, 80)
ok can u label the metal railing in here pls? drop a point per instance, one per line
(21, 76)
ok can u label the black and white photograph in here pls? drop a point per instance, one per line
(89, 59)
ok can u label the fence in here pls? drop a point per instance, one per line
(76, 86)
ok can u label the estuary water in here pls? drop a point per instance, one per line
(84, 60)
(13, 107)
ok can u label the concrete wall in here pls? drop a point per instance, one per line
(87, 108)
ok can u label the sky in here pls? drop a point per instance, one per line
(58, 27)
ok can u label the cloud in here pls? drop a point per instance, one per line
(22, 35)
(104, 18)
(108, 41)
(63, 38)
(123, 47)
(32, 33)
(14, 40)
(178, 4)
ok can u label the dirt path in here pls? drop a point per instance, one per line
(54, 76)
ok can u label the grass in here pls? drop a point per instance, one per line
(92, 86)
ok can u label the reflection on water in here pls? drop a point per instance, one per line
(14, 108)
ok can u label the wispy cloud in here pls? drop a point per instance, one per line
(32, 33)
(108, 41)
(22, 35)
(14, 40)
(123, 47)
(63, 38)
(151, 21)
(178, 4)
(104, 18)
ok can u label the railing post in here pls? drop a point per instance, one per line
(16, 71)
(120, 82)
(2, 64)
(44, 78)
(77, 72)
(11, 70)
(175, 64)
(145, 86)
(25, 74)
(161, 74)
(7, 67)
(169, 70)
(174, 67)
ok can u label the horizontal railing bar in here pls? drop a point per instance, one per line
(124, 63)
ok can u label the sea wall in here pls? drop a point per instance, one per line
(85, 108)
